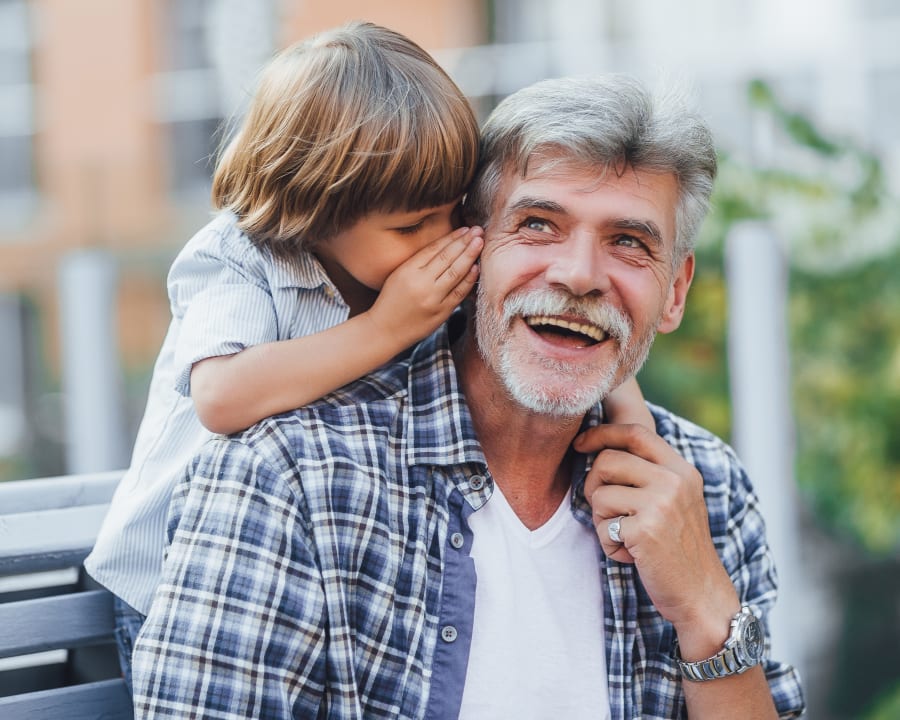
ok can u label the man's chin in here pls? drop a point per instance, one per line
(555, 400)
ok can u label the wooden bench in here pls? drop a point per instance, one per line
(57, 649)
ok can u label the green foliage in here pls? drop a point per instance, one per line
(687, 370)
(847, 397)
(827, 199)
(888, 706)
(799, 128)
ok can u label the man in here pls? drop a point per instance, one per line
(422, 543)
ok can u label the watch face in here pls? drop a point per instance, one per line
(751, 644)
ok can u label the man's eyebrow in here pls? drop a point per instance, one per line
(645, 227)
(528, 202)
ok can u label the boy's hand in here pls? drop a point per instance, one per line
(625, 406)
(422, 292)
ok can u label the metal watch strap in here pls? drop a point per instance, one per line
(718, 666)
(743, 649)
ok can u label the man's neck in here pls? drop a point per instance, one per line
(528, 454)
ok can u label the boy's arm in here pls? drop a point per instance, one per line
(232, 392)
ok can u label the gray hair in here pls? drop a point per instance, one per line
(611, 122)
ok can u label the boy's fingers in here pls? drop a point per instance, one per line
(457, 245)
(457, 271)
(459, 291)
(437, 248)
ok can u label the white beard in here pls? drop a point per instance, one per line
(584, 385)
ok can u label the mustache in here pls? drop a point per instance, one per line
(550, 301)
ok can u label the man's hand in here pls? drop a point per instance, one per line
(664, 528)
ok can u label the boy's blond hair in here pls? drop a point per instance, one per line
(354, 120)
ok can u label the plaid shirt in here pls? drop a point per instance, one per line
(319, 564)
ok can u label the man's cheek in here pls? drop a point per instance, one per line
(501, 241)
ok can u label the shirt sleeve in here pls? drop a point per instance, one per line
(220, 295)
(236, 627)
(748, 560)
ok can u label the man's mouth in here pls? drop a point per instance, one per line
(546, 325)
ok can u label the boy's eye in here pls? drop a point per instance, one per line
(411, 229)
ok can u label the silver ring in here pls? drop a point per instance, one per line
(614, 528)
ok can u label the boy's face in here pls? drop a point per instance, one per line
(376, 245)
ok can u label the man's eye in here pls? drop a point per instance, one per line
(537, 225)
(629, 241)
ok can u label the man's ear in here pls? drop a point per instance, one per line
(677, 297)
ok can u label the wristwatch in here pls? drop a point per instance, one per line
(743, 649)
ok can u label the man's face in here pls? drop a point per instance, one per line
(577, 278)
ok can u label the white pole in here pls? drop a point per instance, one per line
(240, 38)
(762, 421)
(91, 378)
(13, 424)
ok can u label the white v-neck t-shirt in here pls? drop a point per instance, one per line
(537, 649)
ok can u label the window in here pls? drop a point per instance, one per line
(187, 99)
(212, 50)
(884, 84)
(17, 126)
(882, 9)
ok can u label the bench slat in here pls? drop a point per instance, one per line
(50, 524)
(106, 700)
(67, 530)
(52, 623)
(58, 492)
(42, 561)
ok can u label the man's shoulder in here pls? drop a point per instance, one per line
(671, 425)
(728, 490)
(411, 400)
(363, 408)
(701, 447)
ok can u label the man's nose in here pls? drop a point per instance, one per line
(578, 265)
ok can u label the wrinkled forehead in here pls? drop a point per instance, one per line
(549, 163)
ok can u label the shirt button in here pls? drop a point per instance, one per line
(476, 482)
(448, 633)
(457, 540)
(329, 291)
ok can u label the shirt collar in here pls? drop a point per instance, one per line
(440, 426)
(581, 509)
(304, 271)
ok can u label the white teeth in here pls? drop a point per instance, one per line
(592, 331)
